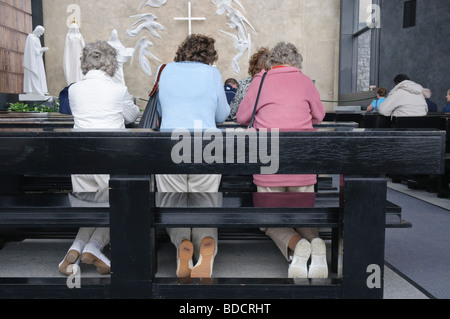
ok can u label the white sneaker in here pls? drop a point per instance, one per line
(318, 267)
(93, 255)
(298, 267)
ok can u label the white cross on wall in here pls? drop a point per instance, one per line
(189, 18)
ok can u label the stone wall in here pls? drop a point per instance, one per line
(363, 64)
(313, 26)
(421, 51)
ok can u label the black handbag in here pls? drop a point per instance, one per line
(256, 102)
(150, 117)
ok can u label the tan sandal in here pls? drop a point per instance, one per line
(184, 260)
(66, 266)
(204, 266)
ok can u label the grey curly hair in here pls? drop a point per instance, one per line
(285, 53)
(99, 56)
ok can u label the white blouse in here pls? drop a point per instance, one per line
(97, 102)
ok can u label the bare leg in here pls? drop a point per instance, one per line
(308, 233)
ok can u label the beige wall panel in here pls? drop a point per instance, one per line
(321, 65)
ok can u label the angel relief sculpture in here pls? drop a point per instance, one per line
(143, 48)
(242, 40)
(151, 3)
(145, 21)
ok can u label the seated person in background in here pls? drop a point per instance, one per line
(447, 107)
(230, 87)
(289, 100)
(381, 96)
(432, 107)
(405, 99)
(97, 102)
(256, 64)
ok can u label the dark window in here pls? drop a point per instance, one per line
(409, 14)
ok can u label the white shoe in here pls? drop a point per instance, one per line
(318, 267)
(72, 257)
(298, 267)
(92, 255)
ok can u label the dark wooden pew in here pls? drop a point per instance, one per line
(441, 121)
(50, 121)
(35, 115)
(132, 156)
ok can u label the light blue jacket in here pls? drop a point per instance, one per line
(376, 103)
(191, 91)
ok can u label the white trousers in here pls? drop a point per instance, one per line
(189, 184)
(98, 235)
(282, 236)
(91, 184)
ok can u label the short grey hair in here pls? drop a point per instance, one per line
(285, 53)
(99, 56)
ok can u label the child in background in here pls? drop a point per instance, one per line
(381, 96)
(230, 87)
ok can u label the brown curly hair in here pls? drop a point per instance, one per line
(258, 61)
(197, 48)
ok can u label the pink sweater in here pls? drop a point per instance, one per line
(288, 101)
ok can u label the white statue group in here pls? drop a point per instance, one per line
(35, 82)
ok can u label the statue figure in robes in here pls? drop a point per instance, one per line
(73, 50)
(35, 81)
(123, 54)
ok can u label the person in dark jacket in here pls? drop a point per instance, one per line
(447, 107)
(230, 87)
(432, 107)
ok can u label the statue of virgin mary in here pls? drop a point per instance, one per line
(73, 50)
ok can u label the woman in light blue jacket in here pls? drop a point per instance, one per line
(191, 95)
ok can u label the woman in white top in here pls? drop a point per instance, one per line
(97, 102)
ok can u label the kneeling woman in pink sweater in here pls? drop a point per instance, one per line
(288, 101)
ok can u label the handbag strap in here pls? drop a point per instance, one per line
(257, 99)
(156, 86)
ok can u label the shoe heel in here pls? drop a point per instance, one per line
(91, 259)
(72, 256)
(319, 266)
(88, 258)
(185, 252)
(66, 266)
(298, 267)
(204, 267)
